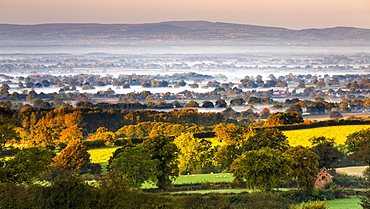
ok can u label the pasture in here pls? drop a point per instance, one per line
(353, 170)
(350, 203)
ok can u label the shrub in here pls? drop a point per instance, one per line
(95, 144)
(311, 205)
(122, 142)
(351, 181)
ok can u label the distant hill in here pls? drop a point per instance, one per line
(179, 32)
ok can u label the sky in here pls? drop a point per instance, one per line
(292, 14)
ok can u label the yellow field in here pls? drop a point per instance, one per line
(295, 137)
(340, 133)
(102, 154)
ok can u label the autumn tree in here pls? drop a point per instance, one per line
(42, 135)
(70, 134)
(265, 113)
(261, 169)
(164, 150)
(134, 164)
(72, 159)
(102, 133)
(281, 118)
(304, 166)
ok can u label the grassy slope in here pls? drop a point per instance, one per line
(301, 136)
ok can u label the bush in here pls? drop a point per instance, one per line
(95, 144)
(365, 199)
(94, 168)
(9, 152)
(351, 181)
(122, 142)
(320, 194)
(311, 205)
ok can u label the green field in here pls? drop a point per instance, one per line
(203, 178)
(214, 191)
(350, 203)
(340, 133)
(198, 178)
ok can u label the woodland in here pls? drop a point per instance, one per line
(237, 128)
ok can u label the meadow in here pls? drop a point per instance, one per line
(339, 133)
(350, 203)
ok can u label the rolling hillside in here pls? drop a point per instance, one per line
(181, 32)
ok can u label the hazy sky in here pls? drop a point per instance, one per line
(294, 14)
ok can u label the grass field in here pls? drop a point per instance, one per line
(203, 178)
(350, 203)
(301, 136)
(198, 178)
(215, 191)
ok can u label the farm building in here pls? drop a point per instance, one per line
(323, 177)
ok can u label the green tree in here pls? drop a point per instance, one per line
(134, 164)
(8, 133)
(365, 199)
(194, 154)
(72, 159)
(192, 103)
(70, 192)
(295, 108)
(237, 102)
(266, 137)
(358, 145)
(164, 150)
(261, 169)
(26, 165)
(326, 150)
(234, 137)
(304, 167)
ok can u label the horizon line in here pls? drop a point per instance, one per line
(168, 21)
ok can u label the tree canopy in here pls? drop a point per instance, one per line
(262, 169)
(72, 159)
(304, 167)
(163, 149)
(134, 164)
(281, 118)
